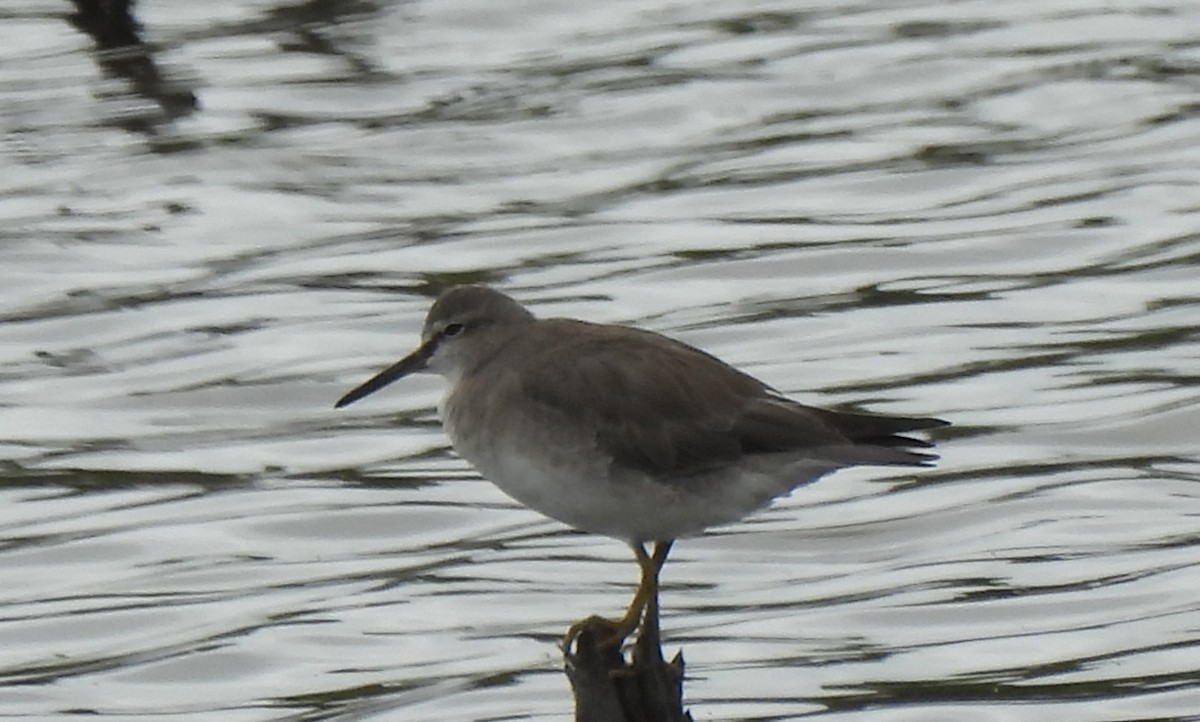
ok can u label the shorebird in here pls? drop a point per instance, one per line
(625, 432)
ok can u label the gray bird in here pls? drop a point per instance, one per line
(624, 432)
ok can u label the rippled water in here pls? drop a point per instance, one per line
(989, 212)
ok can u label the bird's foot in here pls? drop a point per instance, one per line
(608, 634)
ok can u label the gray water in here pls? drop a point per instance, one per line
(984, 211)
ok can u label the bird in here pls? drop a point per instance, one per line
(627, 433)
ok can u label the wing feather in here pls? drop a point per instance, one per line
(661, 406)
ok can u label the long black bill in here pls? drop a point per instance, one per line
(411, 363)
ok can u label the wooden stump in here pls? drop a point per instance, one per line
(610, 688)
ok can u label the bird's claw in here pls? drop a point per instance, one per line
(609, 634)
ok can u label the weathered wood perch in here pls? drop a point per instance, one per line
(610, 688)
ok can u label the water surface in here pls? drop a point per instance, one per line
(989, 212)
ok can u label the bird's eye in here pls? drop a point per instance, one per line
(452, 329)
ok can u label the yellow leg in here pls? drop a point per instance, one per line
(650, 569)
(645, 598)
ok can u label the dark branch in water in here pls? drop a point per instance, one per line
(121, 53)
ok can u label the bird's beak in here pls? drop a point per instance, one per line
(415, 361)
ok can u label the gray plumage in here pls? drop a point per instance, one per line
(626, 432)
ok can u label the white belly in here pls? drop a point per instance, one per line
(558, 472)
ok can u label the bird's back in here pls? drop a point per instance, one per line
(656, 405)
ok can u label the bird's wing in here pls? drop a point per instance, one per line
(661, 406)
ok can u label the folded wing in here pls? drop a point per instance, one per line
(663, 407)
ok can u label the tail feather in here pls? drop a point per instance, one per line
(878, 429)
(881, 439)
(844, 438)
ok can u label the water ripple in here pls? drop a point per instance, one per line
(983, 211)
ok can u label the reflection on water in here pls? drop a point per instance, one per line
(983, 212)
